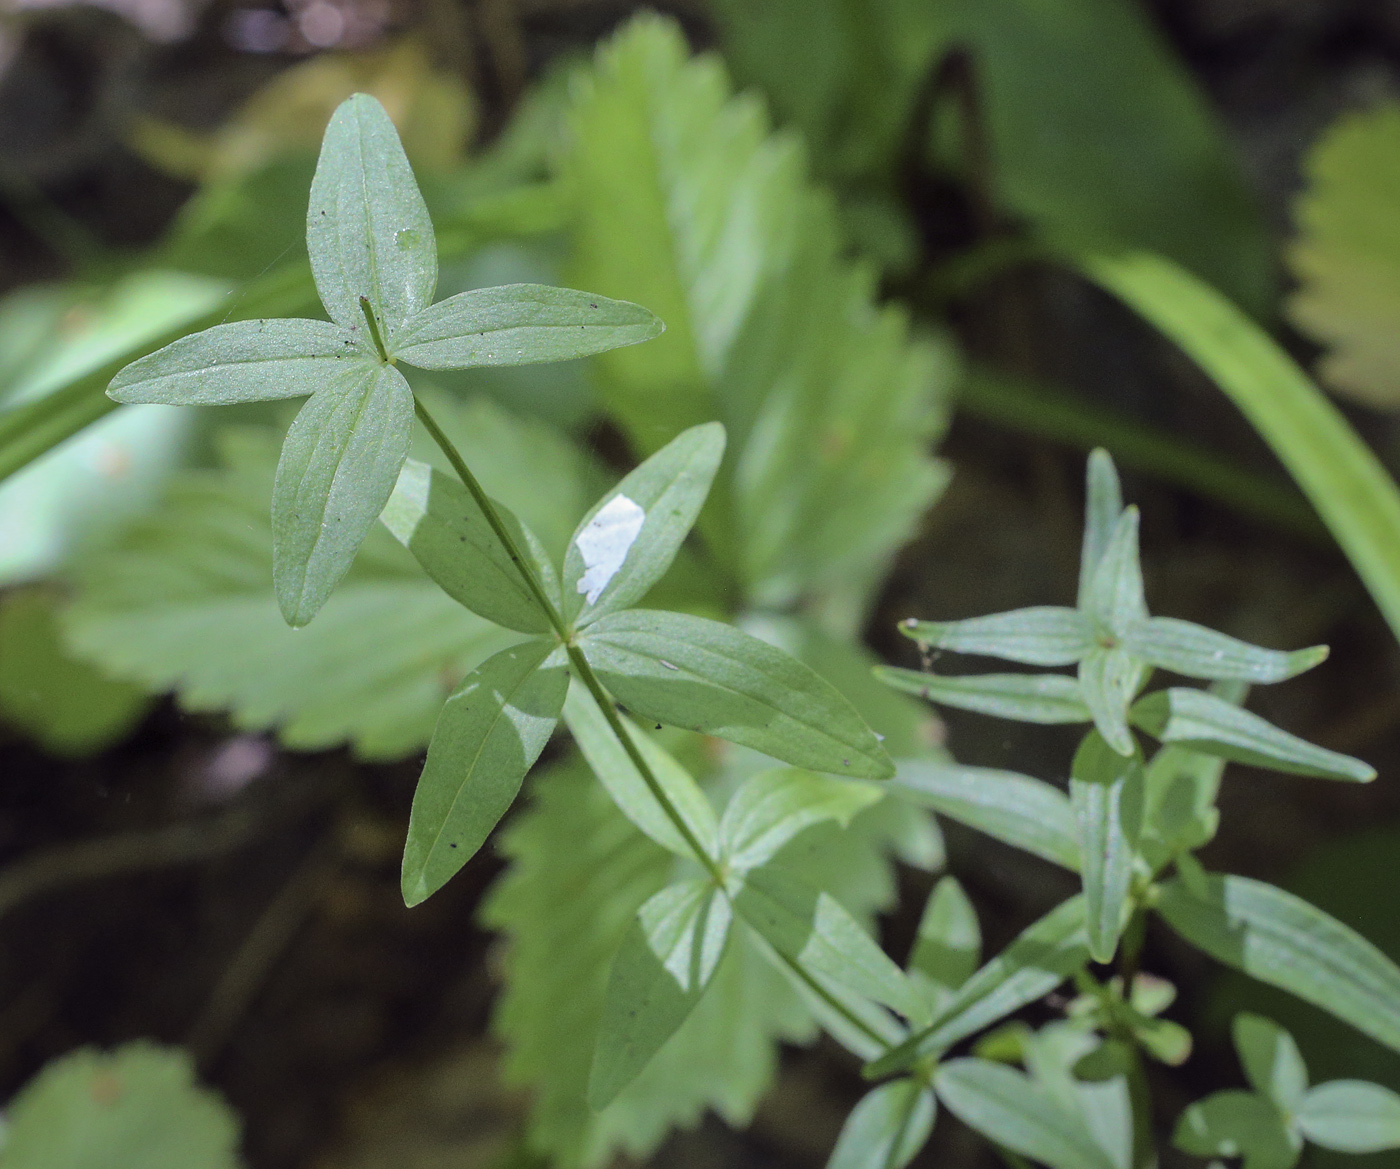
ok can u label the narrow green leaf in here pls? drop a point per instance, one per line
(1238, 1124)
(657, 978)
(1345, 481)
(1197, 652)
(1351, 1116)
(367, 227)
(1282, 940)
(1020, 811)
(1033, 698)
(774, 806)
(244, 361)
(812, 929)
(624, 783)
(1273, 1065)
(1180, 787)
(432, 515)
(489, 734)
(1012, 1110)
(1103, 504)
(625, 544)
(1114, 598)
(337, 470)
(520, 324)
(1106, 793)
(1204, 722)
(1045, 635)
(887, 1128)
(1108, 680)
(689, 672)
(1043, 955)
(949, 940)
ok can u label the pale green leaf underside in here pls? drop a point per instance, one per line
(706, 676)
(1234, 1124)
(949, 940)
(1282, 940)
(1106, 795)
(489, 734)
(367, 227)
(339, 463)
(1018, 810)
(1103, 504)
(1047, 699)
(1108, 679)
(244, 361)
(1203, 722)
(519, 324)
(1197, 652)
(1273, 1065)
(774, 806)
(887, 1128)
(612, 565)
(1045, 635)
(1114, 599)
(1351, 1116)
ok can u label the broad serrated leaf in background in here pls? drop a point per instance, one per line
(686, 203)
(184, 600)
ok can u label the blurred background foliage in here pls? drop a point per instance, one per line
(853, 216)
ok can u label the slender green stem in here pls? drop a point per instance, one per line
(374, 329)
(832, 1001)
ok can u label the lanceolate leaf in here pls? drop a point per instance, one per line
(1198, 652)
(1106, 792)
(774, 806)
(245, 361)
(949, 939)
(812, 929)
(339, 463)
(689, 672)
(1108, 679)
(1282, 940)
(625, 544)
(518, 324)
(1203, 722)
(367, 228)
(434, 517)
(1032, 698)
(1115, 598)
(488, 736)
(1042, 636)
(1012, 1110)
(616, 771)
(1042, 956)
(1103, 504)
(887, 1128)
(1020, 811)
(1351, 1116)
(664, 966)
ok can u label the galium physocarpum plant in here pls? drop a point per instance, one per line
(585, 649)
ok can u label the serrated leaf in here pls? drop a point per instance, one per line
(625, 544)
(339, 462)
(887, 1128)
(1282, 940)
(1103, 505)
(1010, 1109)
(1204, 722)
(663, 968)
(687, 204)
(1108, 680)
(519, 324)
(1106, 794)
(949, 941)
(706, 676)
(774, 806)
(243, 361)
(1273, 1065)
(616, 772)
(1045, 635)
(1351, 1116)
(810, 928)
(1345, 255)
(1047, 699)
(1197, 652)
(1238, 1124)
(1018, 810)
(1041, 957)
(432, 515)
(489, 734)
(1114, 598)
(367, 227)
(138, 1105)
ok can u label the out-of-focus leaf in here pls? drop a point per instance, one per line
(1347, 255)
(1272, 1063)
(887, 1128)
(1238, 1124)
(138, 1105)
(1351, 1116)
(949, 940)
(774, 806)
(1103, 505)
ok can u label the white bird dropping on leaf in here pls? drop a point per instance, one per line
(605, 542)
